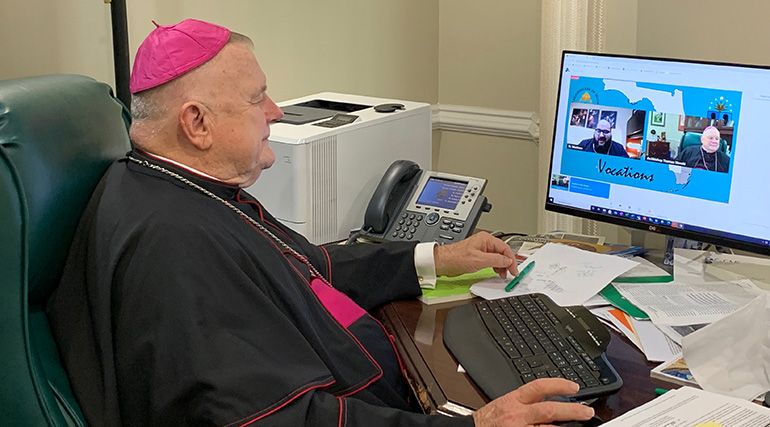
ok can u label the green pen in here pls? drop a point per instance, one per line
(521, 275)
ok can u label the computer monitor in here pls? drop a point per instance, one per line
(671, 146)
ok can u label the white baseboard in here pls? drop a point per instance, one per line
(486, 121)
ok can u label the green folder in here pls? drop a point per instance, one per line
(454, 288)
(645, 279)
(619, 301)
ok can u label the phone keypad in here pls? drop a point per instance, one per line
(408, 225)
(411, 226)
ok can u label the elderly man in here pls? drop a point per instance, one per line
(184, 302)
(602, 142)
(707, 155)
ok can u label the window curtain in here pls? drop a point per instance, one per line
(565, 25)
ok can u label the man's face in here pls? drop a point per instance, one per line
(603, 132)
(242, 114)
(710, 140)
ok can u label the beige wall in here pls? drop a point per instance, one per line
(509, 165)
(489, 53)
(489, 56)
(47, 37)
(620, 27)
(713, 30)
(367, 47)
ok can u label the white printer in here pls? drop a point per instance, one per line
(331, 150)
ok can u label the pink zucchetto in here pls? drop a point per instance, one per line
(172, 50)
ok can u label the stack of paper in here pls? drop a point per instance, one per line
(721, 324)
(679, 304)
(454, 288)
(688, 406)
(677, 309)
(655, 345)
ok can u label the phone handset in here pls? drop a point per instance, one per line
(396, 181)
(410, 204)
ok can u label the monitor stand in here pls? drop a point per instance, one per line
(678, 242)
(638, 239)
(668, 255)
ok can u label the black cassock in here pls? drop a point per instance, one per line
(695, 156)
(173, 310)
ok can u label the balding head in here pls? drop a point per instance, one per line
(603, 132)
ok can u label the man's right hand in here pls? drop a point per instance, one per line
(524, 407)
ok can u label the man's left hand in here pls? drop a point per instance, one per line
(481, 250)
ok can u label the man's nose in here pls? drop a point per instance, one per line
(273, 112)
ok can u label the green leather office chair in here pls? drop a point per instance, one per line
(58, 134)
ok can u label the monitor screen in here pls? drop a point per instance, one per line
(442, 193)
(671, 146)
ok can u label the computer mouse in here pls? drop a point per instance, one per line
(593, 422)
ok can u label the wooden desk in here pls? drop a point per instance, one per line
(432, 371)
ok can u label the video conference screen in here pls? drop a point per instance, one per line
(442, 193)
(668, 145)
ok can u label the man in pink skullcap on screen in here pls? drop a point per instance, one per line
(184, 302)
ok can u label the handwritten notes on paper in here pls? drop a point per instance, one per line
(569, 276)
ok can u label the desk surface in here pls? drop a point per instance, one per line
(432, 371)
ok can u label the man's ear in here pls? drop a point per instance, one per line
(195, 123)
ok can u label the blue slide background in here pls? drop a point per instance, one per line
(714, 186)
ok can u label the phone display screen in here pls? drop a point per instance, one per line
(442, 193)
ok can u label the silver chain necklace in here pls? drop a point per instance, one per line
(303, 258)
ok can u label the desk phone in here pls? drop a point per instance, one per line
(411, 204)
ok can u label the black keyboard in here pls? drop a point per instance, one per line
(508, 342)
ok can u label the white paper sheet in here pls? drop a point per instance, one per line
(715, 257)
(602, 313)
(629, 333)
(732, 356)
(676, 333)
(596, 301)
(569, 276)
(644, 269)
(693, 266)
(687, 407)
(677, 303)
(759, 273)
(656, 346)
(688, 265)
